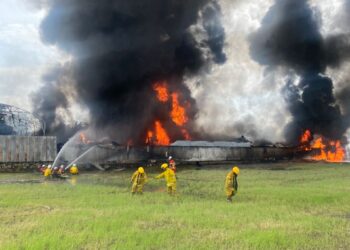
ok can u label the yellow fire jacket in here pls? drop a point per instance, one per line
(169, 176)
(47, 172)
(138, 178)
(231, 184)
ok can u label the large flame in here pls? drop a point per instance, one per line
(158, 135)
(162, 137)
(178, 112)
(161, 89)
(329, 150)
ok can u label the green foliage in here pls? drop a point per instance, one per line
(297, 206)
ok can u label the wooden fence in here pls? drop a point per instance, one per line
(21, 149)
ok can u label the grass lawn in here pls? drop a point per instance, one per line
(294, 206)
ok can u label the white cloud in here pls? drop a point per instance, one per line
(23, 57)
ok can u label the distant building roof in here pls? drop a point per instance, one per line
(227, 144)
(15, 121)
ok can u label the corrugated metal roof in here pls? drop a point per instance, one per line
(227, 144)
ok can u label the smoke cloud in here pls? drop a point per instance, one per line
(290, 38)
(120, 49)
(52, 104)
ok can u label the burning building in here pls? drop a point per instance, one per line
(130, 62)
(323, 148)
(105, 154)
(290, 39)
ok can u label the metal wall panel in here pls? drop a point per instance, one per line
(13, 148)
(36, 153)
(8, 149)
(31, 147)
(51, 148)
(2, 153)
(27, 149)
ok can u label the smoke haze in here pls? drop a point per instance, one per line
(275, 74)
(121, 48)
(290, 37)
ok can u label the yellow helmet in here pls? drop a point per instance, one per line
(74, 170)
(164, 166)
(141, 170)
(235, 170)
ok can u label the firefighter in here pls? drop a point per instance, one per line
(41, 169)
(61, 170)
(55, 173)
(138, 180)
(172, 164)
(74, 169)
(48, 172)
(170, 178)
(231, 184)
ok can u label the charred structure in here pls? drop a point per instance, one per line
(110, 154)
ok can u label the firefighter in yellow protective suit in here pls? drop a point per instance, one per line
(138, 180)
(48, 172)
(231, 184)
(74, 169)
(170, 178)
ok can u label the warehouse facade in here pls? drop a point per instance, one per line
(27, 149)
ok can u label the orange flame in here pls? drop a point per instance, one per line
(162, 91)
(331, 151)
(306, 137)
(149, 137)
(178, 112)
(158, 135)
(161, 135)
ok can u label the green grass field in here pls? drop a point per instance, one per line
(294, 206)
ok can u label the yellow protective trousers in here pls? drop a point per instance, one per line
(138, 181)
(171, 188)
(137, 188)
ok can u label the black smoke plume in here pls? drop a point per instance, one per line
(121, 48)
(48, 101)
(290, 37)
